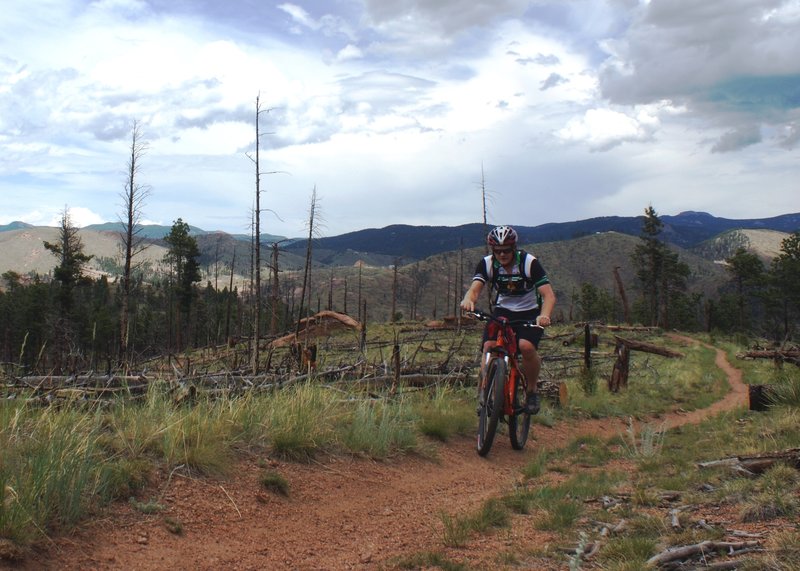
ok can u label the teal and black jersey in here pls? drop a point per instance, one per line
(517, 289)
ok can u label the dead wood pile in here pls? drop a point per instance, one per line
(322, 323)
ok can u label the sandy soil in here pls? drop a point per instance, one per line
(342, 513)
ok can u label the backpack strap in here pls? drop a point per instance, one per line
(520, 257)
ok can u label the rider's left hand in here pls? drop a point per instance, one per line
(543, 320)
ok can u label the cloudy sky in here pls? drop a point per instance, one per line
(396, 110)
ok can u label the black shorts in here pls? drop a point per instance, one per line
(532, 334)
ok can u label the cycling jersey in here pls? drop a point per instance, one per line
(516, 289)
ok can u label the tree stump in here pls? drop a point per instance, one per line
(554, 391)
(761, 397)
(619, 375)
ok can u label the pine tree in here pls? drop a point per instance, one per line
(182, 256)
(747, 271)
(69, 251)
(784, 277)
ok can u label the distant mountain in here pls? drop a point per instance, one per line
(157, 232)
(409, 243)
(14, 226)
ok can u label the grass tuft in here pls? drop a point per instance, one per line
(378, 429)
(148, 507)
(274, 482)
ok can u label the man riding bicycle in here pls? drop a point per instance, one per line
(523, 292)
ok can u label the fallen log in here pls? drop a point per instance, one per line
(635, 328)
(757, 463)
(416, 379)
(321, 323)
(634, 345)
(702, 548)
(764, 354)
(47, 382)
(789, 356)
(98, 392)
(619, 374)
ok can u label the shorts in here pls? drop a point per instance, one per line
(532, 334)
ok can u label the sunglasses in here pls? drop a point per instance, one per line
(499, 251)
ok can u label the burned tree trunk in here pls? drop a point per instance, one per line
(626, 311)
(619, 375)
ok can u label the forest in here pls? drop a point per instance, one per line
(69, 322)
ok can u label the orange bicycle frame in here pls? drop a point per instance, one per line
(505, 335)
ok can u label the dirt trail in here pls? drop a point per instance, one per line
(342, 513)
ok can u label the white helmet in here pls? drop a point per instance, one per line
(502, 236)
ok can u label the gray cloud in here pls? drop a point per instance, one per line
(384, 89)
(213, 116)
(730, 63)
(552, 80)
(446, 17)
(737, 139)
(790, 137)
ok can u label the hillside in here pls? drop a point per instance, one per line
(429, 284)
(766, 244)
(23, 250)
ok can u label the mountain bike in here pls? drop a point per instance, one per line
(503, 388)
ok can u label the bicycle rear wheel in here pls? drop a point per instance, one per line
(492, 407)
(519, 423)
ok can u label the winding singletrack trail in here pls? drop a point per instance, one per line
(342, 513)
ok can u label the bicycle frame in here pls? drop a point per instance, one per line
(506, 348)
(502, 385)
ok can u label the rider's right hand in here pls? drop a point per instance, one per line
(467, 305)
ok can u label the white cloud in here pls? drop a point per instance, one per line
(391, 109)
(603, 129)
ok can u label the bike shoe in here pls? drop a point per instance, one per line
(532, 404)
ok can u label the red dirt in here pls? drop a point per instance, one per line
(341, 513)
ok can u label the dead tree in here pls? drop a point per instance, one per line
(133, 198)
(485, 219)
(229, 299)
(626, 311)
(396, 265)
(361, 318)
(257, 243)
(312, 212)
(330, 292)
(344, 297)
(275, 293)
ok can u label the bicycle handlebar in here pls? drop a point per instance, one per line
(483, 316)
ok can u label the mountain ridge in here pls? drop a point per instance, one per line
(687, 229)
(403, 244)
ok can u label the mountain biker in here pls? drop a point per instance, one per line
(523, 292)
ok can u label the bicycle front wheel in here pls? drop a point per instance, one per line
(492, 407)
(519, 423)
